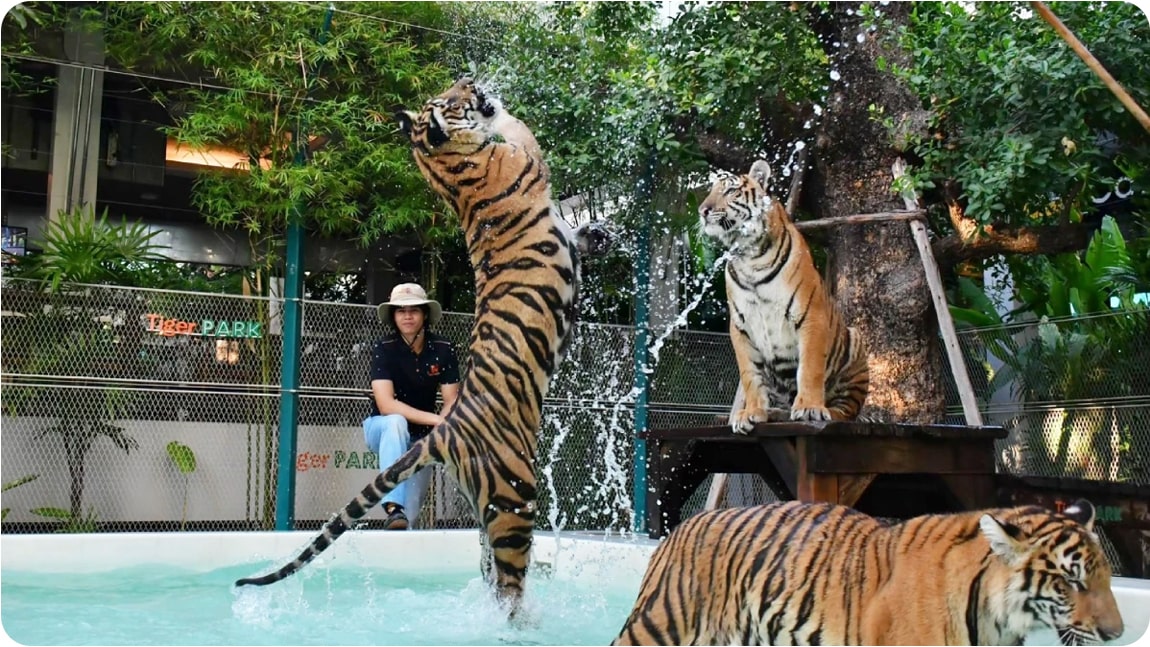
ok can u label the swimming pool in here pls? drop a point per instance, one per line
(411, 588)
(414, 588)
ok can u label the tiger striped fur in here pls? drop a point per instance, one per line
(807, 574)
(526, 263)
(792, 346)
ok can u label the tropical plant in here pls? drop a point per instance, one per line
(69, 522)
(78, 247)
(185, 461)
(15, 484)
(66, 335)
(1090, 342)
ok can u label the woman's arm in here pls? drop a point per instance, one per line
(384, 393)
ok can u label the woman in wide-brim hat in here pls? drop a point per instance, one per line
(406, 295)
(408, 368)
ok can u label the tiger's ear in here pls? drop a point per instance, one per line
(1081, 511)
(406, 120)
(761, 172)
(1006, 540)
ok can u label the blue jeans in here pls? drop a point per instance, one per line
(388, 437)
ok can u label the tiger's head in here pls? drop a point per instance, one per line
(733, 213)
(1056, 572)
(457, 120)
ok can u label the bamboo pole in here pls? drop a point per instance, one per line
(861, 218)
(1092, 63)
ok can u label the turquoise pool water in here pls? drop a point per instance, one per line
(333, 605)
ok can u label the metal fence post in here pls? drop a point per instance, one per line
(644, 192)
(292, 333)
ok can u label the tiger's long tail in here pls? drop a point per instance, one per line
(415, 459)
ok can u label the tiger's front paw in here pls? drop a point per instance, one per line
(746, 419)
(810, 414)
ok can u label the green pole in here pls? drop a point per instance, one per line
(644, 191)
(292, 333)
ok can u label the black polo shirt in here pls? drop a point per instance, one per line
(416, 378)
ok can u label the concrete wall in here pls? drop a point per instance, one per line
(332, 465)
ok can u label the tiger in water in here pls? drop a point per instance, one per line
(488, 167)
(808, 574)
(792, 346)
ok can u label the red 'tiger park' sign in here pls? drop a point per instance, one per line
(166, 327)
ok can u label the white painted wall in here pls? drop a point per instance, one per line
(332, 465)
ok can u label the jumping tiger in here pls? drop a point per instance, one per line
(807, 574)
(488, 167)
(792, 346)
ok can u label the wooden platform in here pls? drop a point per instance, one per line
(888, 470)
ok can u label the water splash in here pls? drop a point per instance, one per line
(681, 320)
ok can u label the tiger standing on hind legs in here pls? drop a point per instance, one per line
(809, 574)
(526, 262)
(791, 344)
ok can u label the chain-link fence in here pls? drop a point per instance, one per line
(107, 390)
(1074, 394)
(103, 386)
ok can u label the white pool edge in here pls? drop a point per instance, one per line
(565, 554)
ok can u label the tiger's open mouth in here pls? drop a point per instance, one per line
(720, 218)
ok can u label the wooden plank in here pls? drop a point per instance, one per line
(851, 487)
(860, 219)
(825, 429)
(813, 487)
(781, 453)
(899, 456)
(718, 490)
(946, 325)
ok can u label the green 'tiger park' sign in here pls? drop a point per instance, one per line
(162, 325)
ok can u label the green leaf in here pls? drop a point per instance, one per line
(52, 513)
(182, 456)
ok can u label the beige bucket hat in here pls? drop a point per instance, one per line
(409, 294)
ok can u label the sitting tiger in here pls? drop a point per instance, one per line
(807, 574)
(526, 263)
(791, 344)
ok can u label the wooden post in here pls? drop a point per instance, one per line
(945, 323)
(946, 326)
(719, 484)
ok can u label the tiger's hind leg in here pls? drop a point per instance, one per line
(509, 523)
(847, 396)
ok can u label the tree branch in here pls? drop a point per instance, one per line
(724, 154)
(994, 240)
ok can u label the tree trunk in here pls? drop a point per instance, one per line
(875, 271)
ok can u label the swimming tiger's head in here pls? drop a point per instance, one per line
(734, 210)
(1057, 572)
(457, 120)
